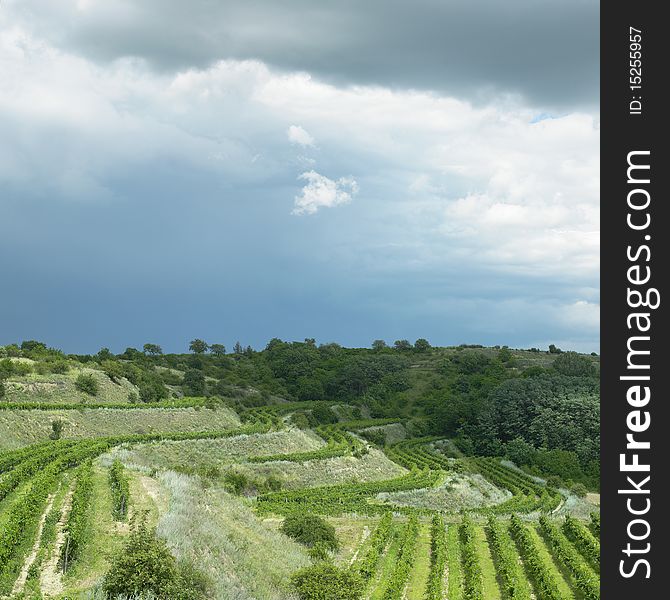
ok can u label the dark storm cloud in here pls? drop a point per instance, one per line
(544, 50)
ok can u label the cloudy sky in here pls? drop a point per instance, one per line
(242, 170)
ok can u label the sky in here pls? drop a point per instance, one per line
(345, 171)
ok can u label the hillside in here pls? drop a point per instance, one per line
(456, 472)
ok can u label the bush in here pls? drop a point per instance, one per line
(56, 429)
(2, 389)
(325, 581)
(324, 414)
(236, 482)
(146, 566)
(579, 490)
(88, 384)
(310, 530)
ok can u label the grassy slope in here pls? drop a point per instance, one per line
(244, 558)
(60, 388)
(21, 427)
(186, 454)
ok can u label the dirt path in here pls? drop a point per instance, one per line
(364, 536)
(20, 583)
(51, 583)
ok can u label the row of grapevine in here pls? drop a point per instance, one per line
(514, 583)
(471, 568)
(546, 586)
(438, 559)
(583, 540)
(396, 585)
(120, 488)
(367, 564)
(415, 453)
(342, 498)
(76, 529)
(585, 579)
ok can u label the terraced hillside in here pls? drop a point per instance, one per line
(208, 484)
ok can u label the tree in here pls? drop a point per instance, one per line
(379, 345)
(575, 365)
(402, 345)
(554, 350)
(237, 349)
(325, 581)
(422, 345)
(152, 349)
(104, 354)
(217, 349)
(198, 346)
(194, 383)
(31, 345)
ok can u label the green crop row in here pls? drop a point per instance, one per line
(472, 570)
(396, 585)
(509, 569)
(546, 586)
(586, 580)
(438, 559)
(77, 527)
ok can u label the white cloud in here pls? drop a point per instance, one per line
(297, 135)
(320, 192)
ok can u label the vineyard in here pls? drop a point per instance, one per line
(206, 483)
(411, 552)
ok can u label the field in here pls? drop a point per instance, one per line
(414, 517)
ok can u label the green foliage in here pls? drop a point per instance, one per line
(120, 488)
(323, 414)
(395, 586)
(88, 384)
(585, 579)
(152, 349)
(236, 482)
(575, 365)
(198, 346)
(438, 559)
(509, 568)
(146, 566)
(545, 583)
(78, 526)
(320, 552)
(309, 530)
(325, 581)
(56, 429)
(471, 568)
(366, 565)
(194, 383)
(587, 544)
(422, 345)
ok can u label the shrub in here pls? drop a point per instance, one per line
(325, 581)
(310, 530)
(324, 414)
(2, 389)
(56, 429)
(320, 552)
(579, 489)
(236, 482)
(88, 384)
(133, 397)
(146, 566)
